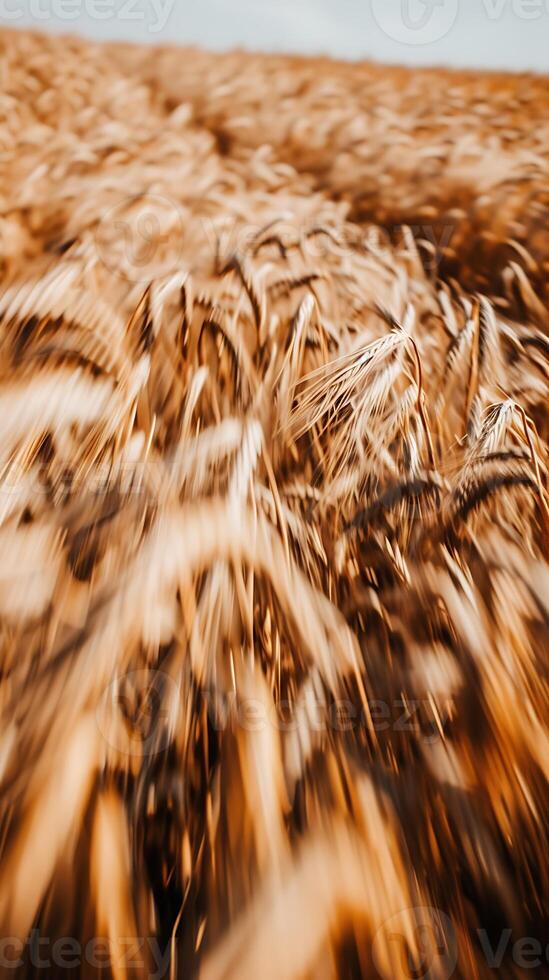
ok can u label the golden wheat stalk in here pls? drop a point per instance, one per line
(273, 515)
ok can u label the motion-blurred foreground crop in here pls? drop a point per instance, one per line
(274, 517)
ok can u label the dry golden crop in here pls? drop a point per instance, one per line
(274, 519)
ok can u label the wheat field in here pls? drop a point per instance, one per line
(274, 517)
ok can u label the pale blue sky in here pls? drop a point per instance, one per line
(507, 34)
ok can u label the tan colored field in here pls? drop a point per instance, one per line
(274, 520)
